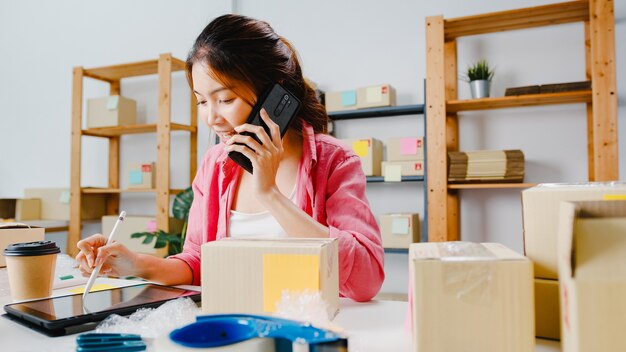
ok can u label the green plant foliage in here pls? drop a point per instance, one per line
(174, 241)
(480, 71)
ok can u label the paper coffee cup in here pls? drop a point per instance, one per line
(31, 268)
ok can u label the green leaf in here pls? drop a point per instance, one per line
(148, 239)
(161, 242)
(182, 204)
(140, 234)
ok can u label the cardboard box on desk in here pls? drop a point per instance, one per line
(370, 150)
(405, 149)
(135, 224)
(11, 232)
(592, 274)
(547, 311)
(55, 203)
(20, 209)
(379, 95)
(399, 230)
(249, 275)
(471, 297)
(111, 111)
(540, 207)
(142, 175)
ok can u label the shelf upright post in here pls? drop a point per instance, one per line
(73, 235)
(113, 200)
(163, 141)
(193, 137)
(602, 114)
(436, 153)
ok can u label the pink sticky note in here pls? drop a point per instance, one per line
(151, 227)
(408, 146)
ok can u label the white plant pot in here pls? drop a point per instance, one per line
(480, 88)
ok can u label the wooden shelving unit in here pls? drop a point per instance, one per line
(443, 106)
(163, 67)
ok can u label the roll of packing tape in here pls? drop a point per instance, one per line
(164, 344)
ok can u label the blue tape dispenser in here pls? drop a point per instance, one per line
(214, 331)
(94, 342)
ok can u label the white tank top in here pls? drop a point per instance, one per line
(256, 225)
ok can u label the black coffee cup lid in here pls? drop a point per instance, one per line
(32, 248)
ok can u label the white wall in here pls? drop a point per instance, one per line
(342, 45)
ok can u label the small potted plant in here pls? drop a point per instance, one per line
(479, 77)
(173, 241)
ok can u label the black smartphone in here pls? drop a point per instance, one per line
(281, 105)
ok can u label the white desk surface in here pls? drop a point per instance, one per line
(371, 326)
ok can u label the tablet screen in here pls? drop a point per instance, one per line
(119, 300)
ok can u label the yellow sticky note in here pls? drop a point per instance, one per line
(361, 147)
(293, 272)
(94, 288)
(614, 197)
(393, 173)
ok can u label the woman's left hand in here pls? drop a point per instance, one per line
(265, 158)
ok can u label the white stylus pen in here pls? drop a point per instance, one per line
(96, 271)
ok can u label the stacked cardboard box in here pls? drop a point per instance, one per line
(55, 203)
(250, 275)
(111, 111)
(405, 157)
(540, 207)
(399, 230)
(142, 175)
(592, 271)
(370, 150)
(486, 166)
(470, 297)
(137, 224)
(379, 95)
(20, 209)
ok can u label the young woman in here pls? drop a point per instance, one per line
(305, 185)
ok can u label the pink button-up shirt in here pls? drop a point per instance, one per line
(330, 188)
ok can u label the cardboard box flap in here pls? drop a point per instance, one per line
(274, 242)
(16, 225)
(589, 230)
(464, 251)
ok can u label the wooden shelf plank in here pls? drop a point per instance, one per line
(134, 129)
(141, 68)
(377, 112)
(573, 11)
(90, 190)
(490, 185)
(583, 96)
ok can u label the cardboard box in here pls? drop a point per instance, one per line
(249, 275)
(547, 311)
(20, 209)
(133, 224)
(111, 111)
(471, 297)
(540, 216)
(370, 150)
(340, 101)
(592, 274)
(142, 175)
(402, 168)
(11, 232)
(405, 149)
(399, 230)
(55, 203)
(375, 96)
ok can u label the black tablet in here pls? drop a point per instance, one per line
(56, 314)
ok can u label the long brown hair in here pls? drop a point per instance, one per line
(246, 55)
